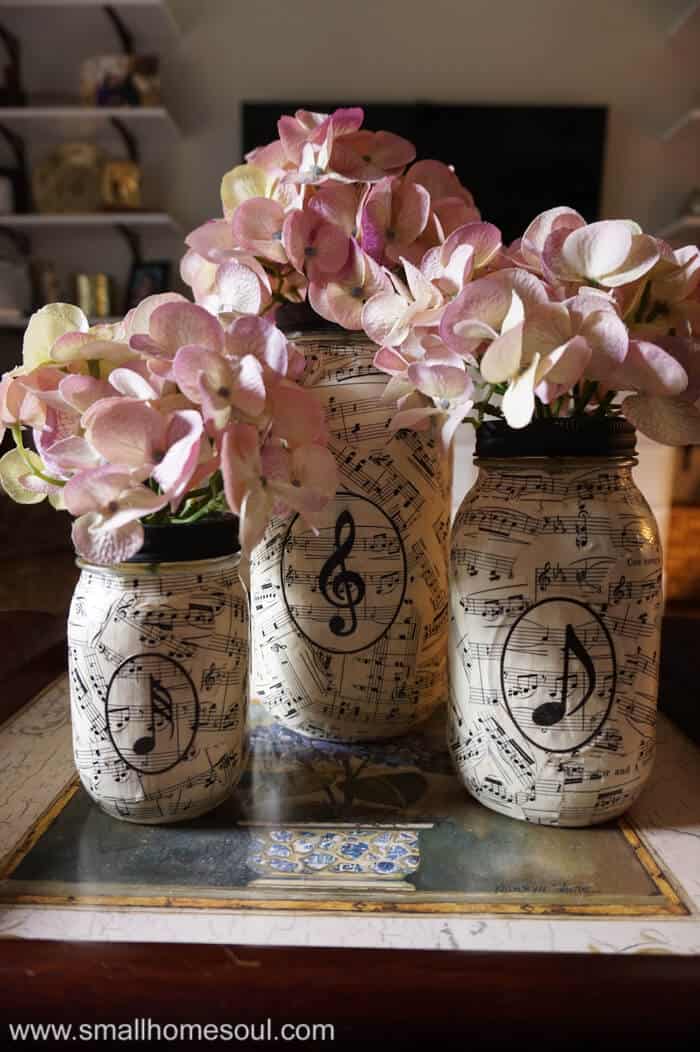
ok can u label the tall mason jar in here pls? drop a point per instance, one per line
(349, 624)
(158, 660)
(555, 616)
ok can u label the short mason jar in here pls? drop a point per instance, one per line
(158, 660)
(555, 617)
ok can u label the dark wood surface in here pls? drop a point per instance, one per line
(33, 648)
(373, 996)
(376, 997)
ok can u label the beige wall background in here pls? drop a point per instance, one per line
(613, 52)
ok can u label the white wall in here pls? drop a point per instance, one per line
(612, 52)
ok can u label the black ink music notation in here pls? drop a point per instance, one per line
(496, 566)
(551, 712)
(380, 583)
(507, 606)
(634, 533)
(649, 588)
(323, 545)
(161, 715)
(148, 585)
(220, 677)
(379, 479)
(539, 486)
(587, 575)
(342, 588)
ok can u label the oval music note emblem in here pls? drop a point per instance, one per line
(152, 712)
(331, 603)
(565, 649)
(347, 588)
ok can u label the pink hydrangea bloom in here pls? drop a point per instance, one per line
(120, 438)
(257, 484)
(394, 216)
(341, 298)
(316, 248)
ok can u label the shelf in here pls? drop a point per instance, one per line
(680, 17)
(34, 221)
(144, 17)
(691, 115)
(22, 322)
(677, 227)
(84, 3)
(79, 121)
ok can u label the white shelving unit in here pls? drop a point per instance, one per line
(141, 13)
(67, 122)
(21, 322)
(34, 221)
(80, 28)
(685, 119)
(679, 18)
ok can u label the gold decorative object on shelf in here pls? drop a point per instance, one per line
(121, 185)
(45, 281)
(93, 295)
(69, 179)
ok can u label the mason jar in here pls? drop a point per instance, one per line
(349, 623)
(555, 616)
(158, 661)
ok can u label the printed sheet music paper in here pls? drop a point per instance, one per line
(158, 664)
(349, 625)
(555, 621)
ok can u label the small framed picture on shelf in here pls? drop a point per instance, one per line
(147, 279)
(120, 80)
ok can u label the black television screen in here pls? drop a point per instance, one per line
(516, 160)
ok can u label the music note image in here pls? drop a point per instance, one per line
(153, 739)
(161, 713)
(551, 712)
(347, 588)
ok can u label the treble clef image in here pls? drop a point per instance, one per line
(347, 589)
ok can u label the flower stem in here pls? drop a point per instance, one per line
(606, 402)
(212, 505)
(589, 389)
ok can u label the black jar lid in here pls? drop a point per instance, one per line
(574, 436)
(300, 317)
(181, 542)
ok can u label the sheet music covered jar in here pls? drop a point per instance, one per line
(555, 616)
(158, 658)
(349, 625)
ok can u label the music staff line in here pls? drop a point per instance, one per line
(633, 534)
(538, 486)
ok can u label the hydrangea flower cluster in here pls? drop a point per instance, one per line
(561, 322)
(184, 411)
(172, 415)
